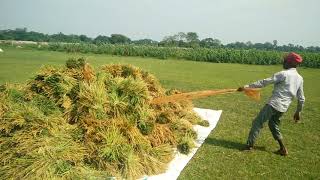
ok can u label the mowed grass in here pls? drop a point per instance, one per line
(220, 156)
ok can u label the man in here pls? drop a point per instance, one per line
(287, 85)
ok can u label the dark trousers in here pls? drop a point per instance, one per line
(266, 113)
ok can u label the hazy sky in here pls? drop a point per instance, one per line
(288, 21)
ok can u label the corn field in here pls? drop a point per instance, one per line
(217, 55)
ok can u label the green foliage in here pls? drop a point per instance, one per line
(119, 39)
(185, 144)
(204, 123)
(45, 105)
(2, 88)
(164, 117)
(216, 55)
(145, 127)
(114, 147)
(75, 63)
(16, 95)
(62, 167)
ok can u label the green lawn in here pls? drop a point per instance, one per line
(219, 157)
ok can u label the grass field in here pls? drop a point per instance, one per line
(220, 156)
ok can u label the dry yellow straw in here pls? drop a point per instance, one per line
(253, 93)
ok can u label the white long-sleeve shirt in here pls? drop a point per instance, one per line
(287, 85)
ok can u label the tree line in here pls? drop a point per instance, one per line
(181, 39)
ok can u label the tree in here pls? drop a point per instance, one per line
(60, 37)
(237, 45)
(268, 45)
(207, 42)
(84, 38)
(249, 44)
(102, 40)
(170, 41)
(258, 45)
(210, 42)
(21, 29)
(119, 39)
(275, 43)
(20, 34)
(192, 37)
(146, 42)
(216, 43)
(182, 36)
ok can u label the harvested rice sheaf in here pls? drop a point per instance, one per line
(77, 123)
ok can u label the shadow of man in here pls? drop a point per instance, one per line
(230, 144)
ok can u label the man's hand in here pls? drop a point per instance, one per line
(240, 89)
(296, 116)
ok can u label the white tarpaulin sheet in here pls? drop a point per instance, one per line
(181, 160)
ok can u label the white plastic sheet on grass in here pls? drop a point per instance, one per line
(181, 160)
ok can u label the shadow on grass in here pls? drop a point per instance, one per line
(230, 144)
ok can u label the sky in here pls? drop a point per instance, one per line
(288, 21)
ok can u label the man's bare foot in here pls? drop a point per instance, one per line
(248, 148)
(282, 152)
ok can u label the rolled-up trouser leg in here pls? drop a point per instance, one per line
(264, 115)
(274, 123)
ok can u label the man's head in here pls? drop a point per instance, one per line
(291, 60)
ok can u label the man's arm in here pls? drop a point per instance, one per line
(277, 77)
(301, 100)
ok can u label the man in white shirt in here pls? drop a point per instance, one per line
(287, 85)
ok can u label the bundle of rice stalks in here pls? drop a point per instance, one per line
(162, 134)
(34, 140)
(156, 158)
(49, 154)
(186, 143)
(125, 71)
(182, 109)
(77, 123)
